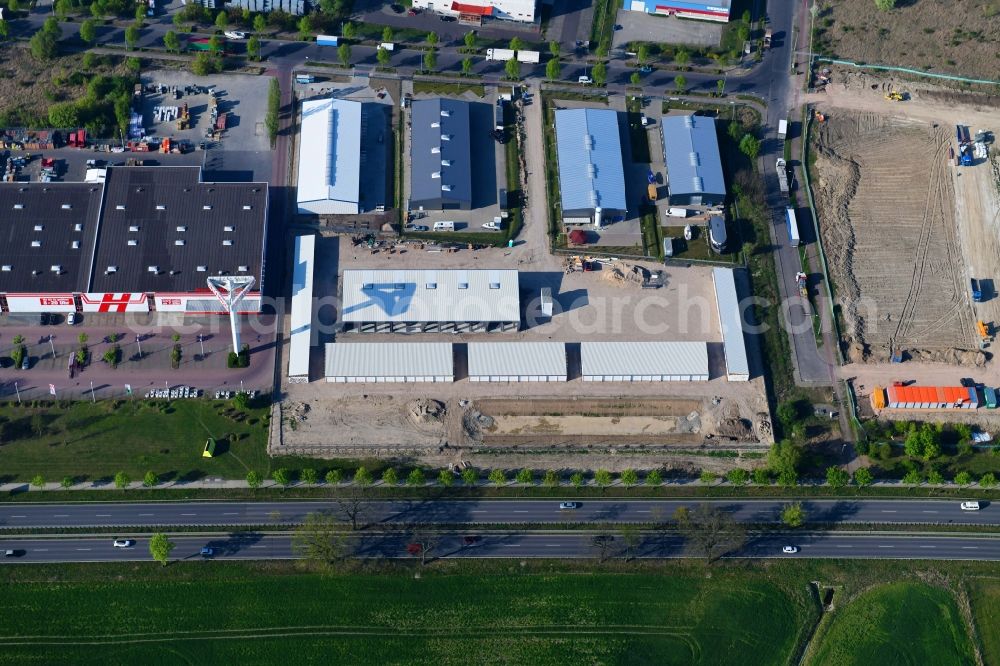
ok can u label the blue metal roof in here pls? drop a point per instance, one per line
(440, 151)
(691, 153)
(590, 159)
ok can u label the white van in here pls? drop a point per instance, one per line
(677, 212)
(585, 80)
(444, 226)
(970, 506)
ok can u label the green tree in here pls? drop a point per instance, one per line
(931, 450)
(550, 479)
(38, 481)
(793, 515)
(349, 31)
(553, 69)
(254, 479)
(44, 44)
(913, 477)
(13, 6)
(362, 477)
(680, 84)
(836, 477)
(935, 478)
(635, 79)
(513, 69)
(516, 44)
(253, 47)
(738, 476)
(682, 57)
(629, 478)
(885, 5)
(576, 479)
(782, 456)
(282, 476)
(259, 23)
(720, 87)
(221, 20)
(122, 480)
(344, 54)
(140, 14)
(988, 480)
(67, 482)
(160, 547)
(631, 538)
(4, 29)
(319, 539)
(61, 8)
(305, 26)
(599, 73)
(963, 478)
(603, 478)
(389, 477)
(171, 41)
(750, 146)
(386, 34)
(273, 109)
(150, 479)
(470, 476)
(430, 61)
(446, 478)
(743, 32)
(654, 478)
(178, 19)
(787, 414)
(497, 477)
(383, 56)
(470, 40)
(416, 477)
(913, 446)
(863, 477)
(333, 477)
(88, 31)
(215, 44)
(432, 38)
(310, 476)
(525, 476)
(131, 36)
(642, 54)
(63, 114)
(707, 477)
(761, 477)
(467, 66)
(554, 49)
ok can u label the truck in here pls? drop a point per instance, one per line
(326, 40)
(767, 38)
(528, 56)
(500, 55)
(498, 116)
(977, 292)
(782, 168)
(803, 284)
(782, 128)
(793, 227)
(387, 46)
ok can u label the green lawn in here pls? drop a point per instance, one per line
(900, 623)
(253, 614)
(984, 596)
(95, 440)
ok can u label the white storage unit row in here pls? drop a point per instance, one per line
(517, 362)
(300, 339)
(731, 323)
(644, 361)
(385, 363)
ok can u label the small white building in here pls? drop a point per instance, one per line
(644, 361)
(505, 10)
(329, 164)
(392, 362)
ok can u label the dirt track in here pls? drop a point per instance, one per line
(887, 210)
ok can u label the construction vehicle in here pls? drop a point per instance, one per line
(983, 329)
(977, 292)
(965, 146)
(165, 146)
(803, 283)
(894, 96)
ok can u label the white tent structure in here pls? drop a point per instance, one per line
(383, 363)
(300, 339)
(731, 323)
(644, 361)
(517, 361)
(329, 157)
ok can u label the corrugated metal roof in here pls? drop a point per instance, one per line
(329, 156)
(644, 358)
(393, 359)
(691, 153)
(302, 301)
(731, 323)
(440, 151)
(929, 396)
(507, 359)
(591, 174)
(483, 295)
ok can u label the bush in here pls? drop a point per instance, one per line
(654, 478)
(963, 478)
(913, 477)
(241, 360)
(761, 477)
(333, 477)
(310, 476)
(602, 478)
(988, 480)
(282, 476)
(150, 479)
(885, 5)
(416, 477)
(363, 477)
(551, 479)
(254, 479)
(836, 477)
(525, 476)
(389, 477)
(470, 476)
(707, 476)
(737, 476)
(863, 477)
(446, 478)
(576, 479)
(630, 478)
(498, 477)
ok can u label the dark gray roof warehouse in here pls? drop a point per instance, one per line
(440, 155)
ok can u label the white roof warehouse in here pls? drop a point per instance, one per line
(329, 157)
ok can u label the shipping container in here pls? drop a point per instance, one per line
(305, 78)
(793, 227)
(326, 40)
(782, 128)
(990, 397)
(932, 397)
(499, 54)
(528, 56)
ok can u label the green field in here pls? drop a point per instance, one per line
(250, 614)
(900, 623)
(984, 596)
(90, 441)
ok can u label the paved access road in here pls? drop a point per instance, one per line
(455, 512)
(36, 550)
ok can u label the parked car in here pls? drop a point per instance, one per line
(413, 11)
(569, 505)
(44, 318)
(71, 319)
(447, 19)
(790, 550)
(585, 80)
(124, 543)
(645, 69)
(416, 227)
(970, 506)
(235, 34)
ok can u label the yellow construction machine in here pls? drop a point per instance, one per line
(894, 96)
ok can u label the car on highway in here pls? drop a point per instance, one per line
(417, 227)
(235, 34)
(790, 550)
(970, 506)
(12, 553)
(569, 505)
(207, 551)
(124, 543)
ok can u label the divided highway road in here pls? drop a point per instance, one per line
(14, 516)
(533, 545)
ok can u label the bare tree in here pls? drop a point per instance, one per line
(603, 543)
(710, 530)
(631, 538)
(319, 539)
(423, 543)
(353, 506)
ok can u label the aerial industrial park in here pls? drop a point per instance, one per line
(389, 302)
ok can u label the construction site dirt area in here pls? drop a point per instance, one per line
(885, 193)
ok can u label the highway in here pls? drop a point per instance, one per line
(572, 545)
(15, 516)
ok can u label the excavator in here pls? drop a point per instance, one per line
(894, 96)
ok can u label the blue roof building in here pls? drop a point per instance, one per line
(591, 176)
(691, 154)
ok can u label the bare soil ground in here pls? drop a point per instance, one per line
(887, 209)
(957, 37)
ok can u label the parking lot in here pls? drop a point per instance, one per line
(642, 27)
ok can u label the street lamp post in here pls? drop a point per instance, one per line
(202, 345)
(18, 391)
(52, 346)
(139, 345)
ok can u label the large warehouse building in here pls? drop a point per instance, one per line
(144, 240)
(330, 157)
(473, 11)
(430, 301)
(381, 363)
(440, 155)
(517, 362)
(716, 11)
(731, 322)
(691, 154)
(644, 361)
(301, 334)
(591, 175)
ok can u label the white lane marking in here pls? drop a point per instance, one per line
(928, 546)
(511, 545)
(845, 546)
(969, 547)
(84, 549)
(520, 511)
(189, 514)
(643, 511)
(886, 546)
(61, 515)
(145, 514)
(41, 550)
(258, 546)
(477, 511)
(102, 515)
(552, 545)
(18, 516)
(930, 511)
(888, 511)
(231, 513)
